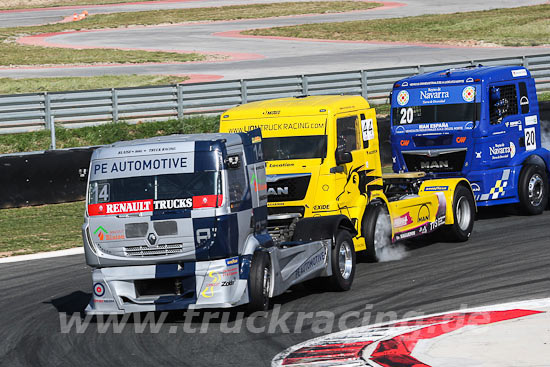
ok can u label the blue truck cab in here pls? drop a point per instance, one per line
(481, 123)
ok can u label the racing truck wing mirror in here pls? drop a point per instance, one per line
(343, 157)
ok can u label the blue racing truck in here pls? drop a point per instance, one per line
(481, 123)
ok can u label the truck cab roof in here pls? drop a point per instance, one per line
(297, 106)
(182, 142)
(465, 75)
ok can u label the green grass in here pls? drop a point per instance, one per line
(12, 53)
(40, 228)
(522, 26)
(34, 85)
(105, 134)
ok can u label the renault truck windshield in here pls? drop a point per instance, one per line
(184, 186)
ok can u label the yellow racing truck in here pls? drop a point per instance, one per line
(323, 160)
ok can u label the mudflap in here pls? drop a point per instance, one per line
(296, 262)
(165, 287)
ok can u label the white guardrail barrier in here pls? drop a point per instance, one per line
(37, 111)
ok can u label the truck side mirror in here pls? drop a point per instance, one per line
(343, 157)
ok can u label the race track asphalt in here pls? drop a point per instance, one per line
(506, 259)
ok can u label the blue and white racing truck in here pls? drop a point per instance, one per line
(481, 123)
(181, 221)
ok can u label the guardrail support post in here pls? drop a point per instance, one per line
(305, 85)
(179, 90)
(244, 92)
(364, 84)
(51, 124)
(47, 110)
(525, 62)
(114, 99)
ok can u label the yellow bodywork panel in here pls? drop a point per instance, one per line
(301, 137)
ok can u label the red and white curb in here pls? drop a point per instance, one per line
(513, 334)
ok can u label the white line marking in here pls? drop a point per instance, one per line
(42, 255)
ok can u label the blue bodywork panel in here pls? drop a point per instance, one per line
(481, 123)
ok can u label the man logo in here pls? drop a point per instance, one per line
(424, 213)
(434, 164)
(276, 191)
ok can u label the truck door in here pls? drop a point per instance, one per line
(350, 180)
(505, 126)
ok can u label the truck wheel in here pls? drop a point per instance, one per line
(532, 190)
(464, 215)
(377, 232)
(259, 282)
(343, 262)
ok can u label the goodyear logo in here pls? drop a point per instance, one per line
(232, 261)
(436, 188)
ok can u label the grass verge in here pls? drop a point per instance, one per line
(40, 228)
(522, 26)
(105, 134)
(12, 53)
(34, 85)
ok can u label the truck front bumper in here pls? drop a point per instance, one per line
(163, 287)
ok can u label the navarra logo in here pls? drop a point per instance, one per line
(403, 98)
(469, 94)
(101, 232)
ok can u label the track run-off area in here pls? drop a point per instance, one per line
(239, 56)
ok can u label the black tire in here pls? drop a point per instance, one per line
(259, 282)
(532, 190)
(464, 214)
(376, 231)
(342, 262)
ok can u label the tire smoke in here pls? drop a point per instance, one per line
(385, 250)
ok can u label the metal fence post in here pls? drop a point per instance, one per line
(525, 62)
(47, 110)
(52, 132)
(244, 92)
(114, 99)
(305, 85)
(179, 92)
(364, 84)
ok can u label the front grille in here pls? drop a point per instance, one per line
(448, 162)
(431, 141)
(288, 189)
(160, 250)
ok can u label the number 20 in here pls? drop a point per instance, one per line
(407, 115)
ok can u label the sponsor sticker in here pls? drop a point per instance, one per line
(403, 98)
(519, 72)
(502, 150)
(123, 207)
(469, 94)
(99, 289)
(475, 187)
(186, 203)
(402, 221)
(436, 188)
(531, 120)
(232, 261)
(311, 263)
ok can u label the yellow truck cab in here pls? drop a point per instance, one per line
(323, 159)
